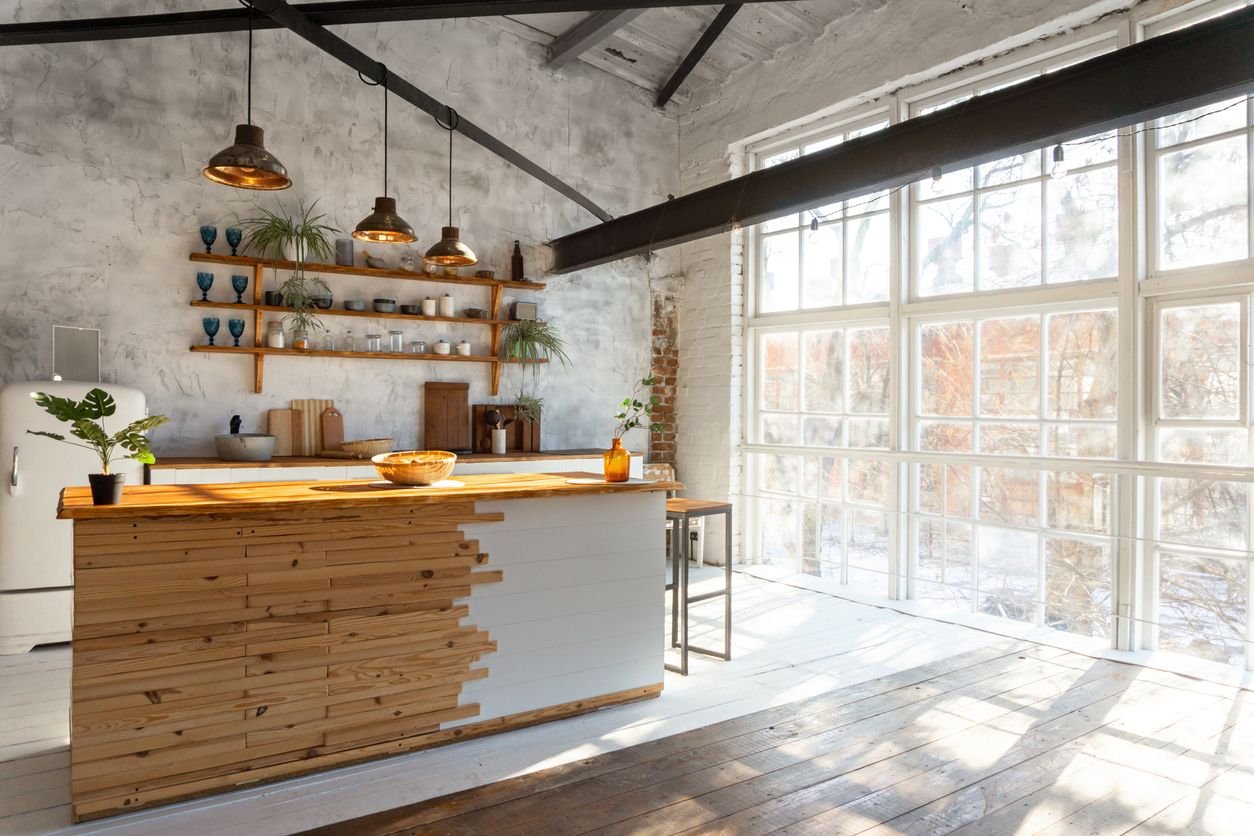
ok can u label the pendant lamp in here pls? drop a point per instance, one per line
(449, 251)
(383, 225)
(247, 164)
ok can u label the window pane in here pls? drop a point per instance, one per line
(868, 370)
(944, 437)
(946, 246)
(1203, 513)
(1182, 127)
(1204, 204)
(1204, 446)
(868, 244)
(779, 531)
(868, 552)
(1010, 439)
(781, 474)
(868, 432)
(1082, 221)
(947, 384)
(1202, 607)
(1102, 148)
(929, 497)
(944, 568)
(1200, 365)
(821, 431)
(777, 224)
(1010, 237)
(1081, 442)
(1008, 577)
(1010, 169)
(1078, 502)
(779, 274)
(779, 371)
(832, 536)
(1083, 365)
(1010, 496)
(821, 277)
(868, 482)
(824, 377)
(1077, 586)
(1010, 367)
(780, 429)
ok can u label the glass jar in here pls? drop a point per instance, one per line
(300, 339)
(617, 462)
(374, 342)
(350, 344)
(417, 347)
(274, 335)
(396, 341)
(327, 343)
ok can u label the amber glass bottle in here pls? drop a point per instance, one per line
(617, 463)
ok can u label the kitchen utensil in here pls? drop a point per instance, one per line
(332, 429)
(446, 305)
(354, 305)
(235, 423)
(493, 418)
(245, 447)
(415, 467)
(498, 442)
(463, 348)
(367, 447)
(375, 262)
(486, 274)
(311, 410)
(446, 416)
(428, 307)
(520, 436)
(337, 454)
(286, 427)
(442, 347)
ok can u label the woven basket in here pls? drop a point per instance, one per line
(415, 467)
(367, 448)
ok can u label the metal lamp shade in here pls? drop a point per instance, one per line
(384, 226)
(247, 164)
(449, 251)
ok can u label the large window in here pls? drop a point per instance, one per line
(1041, 410)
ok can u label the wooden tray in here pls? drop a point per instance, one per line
(520, 436)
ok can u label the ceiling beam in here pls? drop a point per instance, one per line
(1200, 65)
(587, 33)
(335, 46)
(332, 13)
(703, 44)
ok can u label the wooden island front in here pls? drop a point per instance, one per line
(235, 633)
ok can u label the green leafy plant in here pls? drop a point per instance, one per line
(527, 407)
(636, 410)
(86, 420)
(270, 232)
(532, 341)
(299, 293)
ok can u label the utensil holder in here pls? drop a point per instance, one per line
(498, 442)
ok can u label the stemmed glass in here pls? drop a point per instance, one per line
(236, 327)
(239, 284)
(210, 324)
(208, 234)
(204, 281)
(234, 235)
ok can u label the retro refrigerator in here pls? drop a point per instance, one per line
(36, 549)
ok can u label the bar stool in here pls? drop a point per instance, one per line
(681, 512)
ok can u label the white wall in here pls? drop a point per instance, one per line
(101, 147)
(878, 48)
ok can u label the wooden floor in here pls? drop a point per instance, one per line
(1010, 739)
(832, 717)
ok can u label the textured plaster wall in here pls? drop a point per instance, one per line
(101, 147)
(877, 48)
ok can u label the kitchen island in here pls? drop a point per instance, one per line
(234, 633)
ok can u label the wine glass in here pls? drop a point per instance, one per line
(208, 234)
(210, 324)
(236, 327)
(239, 284)
(204, 281)
(234, 235)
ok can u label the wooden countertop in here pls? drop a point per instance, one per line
(209, 462)
(149, 501)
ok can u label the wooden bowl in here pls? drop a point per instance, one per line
(367, 447)
(415, 467)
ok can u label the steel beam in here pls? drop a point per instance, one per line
(587, 33)
(335, 46)
(703, 44)
(1200, 65)
(324, 14)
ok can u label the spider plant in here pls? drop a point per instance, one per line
(270, 233)
(532, 341)
(527, 407)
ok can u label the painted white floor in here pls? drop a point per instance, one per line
(788, 643)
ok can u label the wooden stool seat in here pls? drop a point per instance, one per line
(681, 512)
(695, 507)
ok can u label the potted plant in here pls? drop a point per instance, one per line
(86, 420)
(635, 411)
(276, 235)
(532, 341)
(302, 294)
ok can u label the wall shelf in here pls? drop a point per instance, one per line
(259, 352)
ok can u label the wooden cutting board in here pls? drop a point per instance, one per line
(286, 427)
(446, 416)
(311, 424)
(332, 430)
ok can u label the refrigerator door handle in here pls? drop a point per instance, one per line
(13, 474)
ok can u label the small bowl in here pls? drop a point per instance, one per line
(415, 467)
(486, 274)
(385, 305)
(412, 310)
(354, 305)
(245, 447)
(476, 313)
(322, 302)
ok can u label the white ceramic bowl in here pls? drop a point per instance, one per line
(245, 447)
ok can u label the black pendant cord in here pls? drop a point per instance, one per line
(249, 73)
(451, 127)
(382, 82)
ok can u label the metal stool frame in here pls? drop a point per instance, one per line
(681, 550)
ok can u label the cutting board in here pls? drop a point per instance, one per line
(332, 430)
(446, 416)
(520, 436)
(311, 424)
(286, 427)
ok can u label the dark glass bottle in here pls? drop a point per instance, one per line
(516, 264)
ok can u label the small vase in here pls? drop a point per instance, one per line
(617, 463)
(106, 488)
(498, 442)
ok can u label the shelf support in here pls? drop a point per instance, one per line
(496, 340)
(259, 359)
